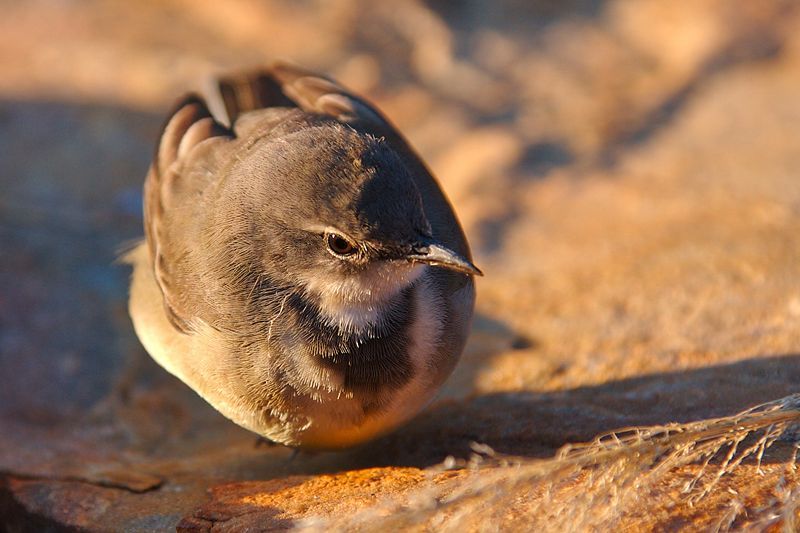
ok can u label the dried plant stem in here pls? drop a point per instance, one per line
(597, 485)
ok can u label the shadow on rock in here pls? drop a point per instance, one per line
(536, 424)
(71, 176)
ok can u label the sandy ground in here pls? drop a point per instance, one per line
(627, 173)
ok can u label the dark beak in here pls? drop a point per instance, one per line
(437, 255)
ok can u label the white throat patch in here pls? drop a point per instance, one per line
(356, 303)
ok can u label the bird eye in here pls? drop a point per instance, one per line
(339, 245)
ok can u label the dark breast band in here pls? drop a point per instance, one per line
(369, 360)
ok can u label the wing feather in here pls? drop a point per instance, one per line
(167, 188)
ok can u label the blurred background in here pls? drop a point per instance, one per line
(627, 174)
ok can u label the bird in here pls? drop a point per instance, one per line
(301, 269)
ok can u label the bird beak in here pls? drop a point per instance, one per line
(438, 255)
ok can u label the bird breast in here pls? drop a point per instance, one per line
(351, 384)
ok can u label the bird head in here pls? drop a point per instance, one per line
(338, 212)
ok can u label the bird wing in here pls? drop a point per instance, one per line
(173, 193)
(286, 85)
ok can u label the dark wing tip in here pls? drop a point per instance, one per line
(189, 122)
(230, 96)
(285, 84)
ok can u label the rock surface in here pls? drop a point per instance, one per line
(627, 173)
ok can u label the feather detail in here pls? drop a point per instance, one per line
(190, 124)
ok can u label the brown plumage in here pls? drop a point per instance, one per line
(302, 269)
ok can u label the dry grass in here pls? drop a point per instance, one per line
(616, 480)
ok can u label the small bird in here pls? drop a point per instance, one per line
(302, 270)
